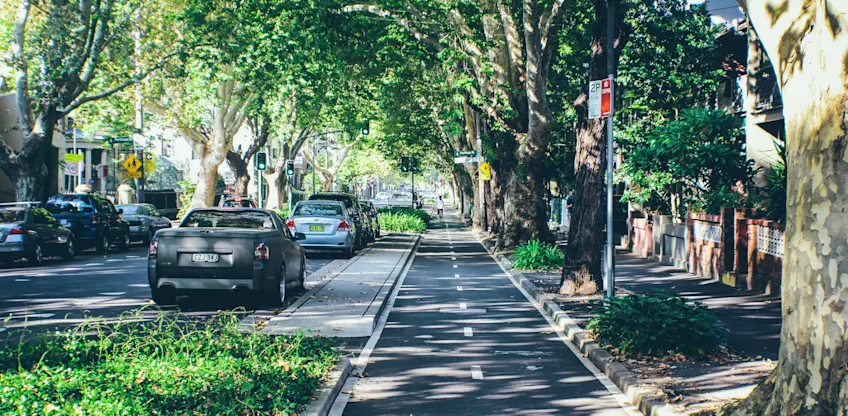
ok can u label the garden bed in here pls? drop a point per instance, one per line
(164, 367)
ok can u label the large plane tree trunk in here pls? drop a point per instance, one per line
(808, 42)
(581, 272)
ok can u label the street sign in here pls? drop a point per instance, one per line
(465, 159)
(460, 153)
(149, 162)
(118, 140)
(74, 157)
(132, 175)
(486, 171)
(299, 162)
(600, 97)
(72, 169)
(229, 178)
(132, 163)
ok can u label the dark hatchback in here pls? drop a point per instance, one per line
(93, 219)
(30, 232)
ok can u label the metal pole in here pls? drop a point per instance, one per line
(412, 170)
(259, 177)
(139, 107)
(314, 159)
(610, 251)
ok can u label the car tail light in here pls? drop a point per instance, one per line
(16, 231)
(260, 251)
(95, 219)
(343, 225)
(290, 224)
(153, 249)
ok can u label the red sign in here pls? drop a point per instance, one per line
(105, 171)
(606, 97)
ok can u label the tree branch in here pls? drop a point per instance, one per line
(104, 14)
(403, 22)
(21, 68)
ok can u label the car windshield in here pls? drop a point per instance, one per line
(15, 214)
(239, 203)
(318, 210)
(69, 203)
(130, 209)
(229, 219)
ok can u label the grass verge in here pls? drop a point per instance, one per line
(164, 367)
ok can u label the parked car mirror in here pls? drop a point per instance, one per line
(299, 236)
(120, 210)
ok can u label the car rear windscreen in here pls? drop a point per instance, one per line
(319, 210)
(8, 215)
(69, 203)
(341, 198)
(229, 219)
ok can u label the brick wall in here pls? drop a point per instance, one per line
(642, 229)
(706, 243)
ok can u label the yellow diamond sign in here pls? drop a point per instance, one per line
(132, 164)
(486, 171)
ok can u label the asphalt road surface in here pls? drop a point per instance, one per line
(63, 293)
(461, 339)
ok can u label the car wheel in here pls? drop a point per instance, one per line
(70, 250)
(125, 242)
(277, 293)
(37, 256)
(164, 296)
(349, 252)
(149, 236)
(104, 246)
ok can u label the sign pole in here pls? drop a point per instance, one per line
(484, 215)
(610, 251)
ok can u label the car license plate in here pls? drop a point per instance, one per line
(316, 228)
(204, 258)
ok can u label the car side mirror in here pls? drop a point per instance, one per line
(299, 236)
(120, 210)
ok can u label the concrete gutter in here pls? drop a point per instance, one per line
(326, 394)
(642, 396)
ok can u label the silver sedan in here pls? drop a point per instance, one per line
(326, 225)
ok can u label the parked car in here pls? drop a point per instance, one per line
(327, 225)
(30, 232)
(93, 219)
(144, 220)
(371, 212)
(363, 228)
(236, 202)
(246, 251)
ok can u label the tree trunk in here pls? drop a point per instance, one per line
(524, 210)
(808, 42)
(581, 272)
(242, 173)
(207, 181)
(27, 169)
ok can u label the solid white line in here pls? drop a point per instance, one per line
(93, 264)
(619, 396)
(133, 257)
(476, 372)
(459, 288)
(112, 293)
(468, 331)
(463, 305)
(22, 280)
(361, 362)
(113, 260)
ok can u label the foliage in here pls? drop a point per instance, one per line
(536, 255)
(401, 223)
(186, 196)
(701, 157)
(774, 201)
(657, 324)
(165, 367)
(418, 213)
(284, 212)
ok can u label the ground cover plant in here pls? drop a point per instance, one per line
(402, 220)
(536, 255)
(163, 367)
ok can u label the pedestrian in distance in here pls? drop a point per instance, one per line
(440, 206)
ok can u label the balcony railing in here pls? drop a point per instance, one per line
(768, 92)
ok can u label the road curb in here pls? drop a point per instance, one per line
(387, 288)
(331, 388)
(640, 395)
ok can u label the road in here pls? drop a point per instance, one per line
(63, 293)
(461, 339)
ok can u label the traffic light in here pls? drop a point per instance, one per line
(290, 167)
(366, 127)
(415, 165)
(404, 164)
(261, 161)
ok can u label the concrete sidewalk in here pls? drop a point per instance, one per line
(349, 301)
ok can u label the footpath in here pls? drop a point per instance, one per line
(349, 300)
(752, 322)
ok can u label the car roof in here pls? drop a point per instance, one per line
(233, 209)
(321, 201)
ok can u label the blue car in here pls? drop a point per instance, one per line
(93, 219)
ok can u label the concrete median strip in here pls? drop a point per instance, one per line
(640, 395)
(349, 301)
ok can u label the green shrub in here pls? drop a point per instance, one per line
(657, 324)
(185, 197)
(284, 212)
(401, 223)
(418, 213)
(536, 255)
(165, 367)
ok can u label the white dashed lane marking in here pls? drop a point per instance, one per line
(468, 331)
(114, 260)
(112, 293)
(459, 288)
(22, 280)
(476, 372)
(453, 258)
(455, 266)
(463, 305)
(456, 275)
(133, 257)
(93, 264)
